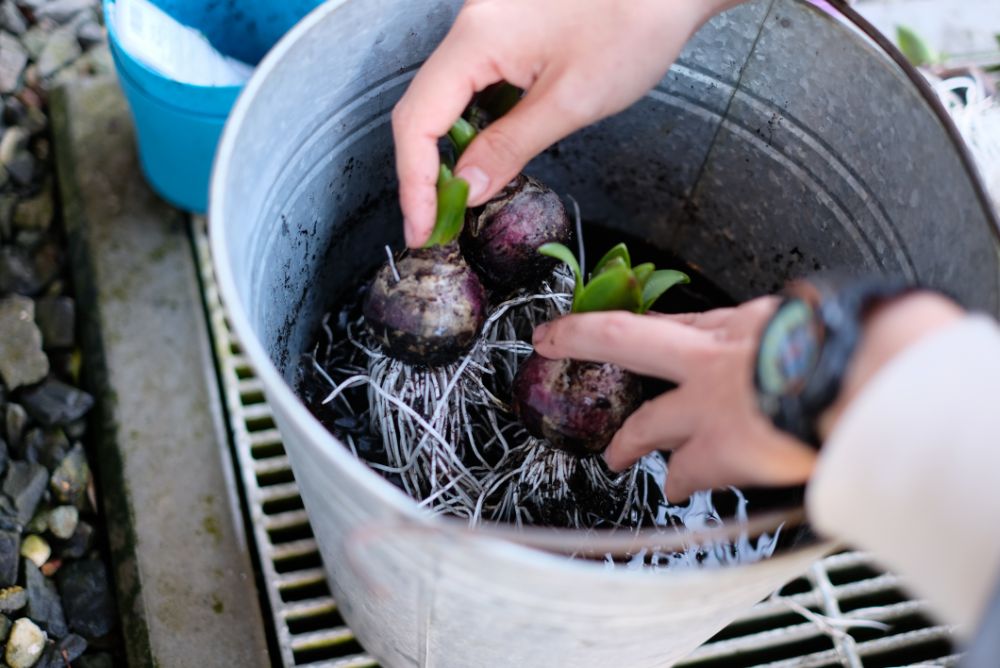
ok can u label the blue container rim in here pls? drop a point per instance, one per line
(123, 74)
(128, 62)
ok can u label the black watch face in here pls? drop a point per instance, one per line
(789, 349)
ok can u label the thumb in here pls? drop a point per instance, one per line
(502, 150)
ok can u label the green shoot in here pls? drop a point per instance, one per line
(461, 135)
(615, 284)
(452, 195)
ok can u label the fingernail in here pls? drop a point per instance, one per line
(478, 182)
(539, 334)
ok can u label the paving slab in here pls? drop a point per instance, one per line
(183, 573)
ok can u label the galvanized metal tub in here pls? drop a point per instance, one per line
(780, 143)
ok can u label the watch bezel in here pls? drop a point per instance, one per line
(838, 307)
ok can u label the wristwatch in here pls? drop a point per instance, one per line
(806, 346)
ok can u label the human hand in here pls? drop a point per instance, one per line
(711, 421)
(578, 61)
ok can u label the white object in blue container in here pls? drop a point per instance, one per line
(178, 123)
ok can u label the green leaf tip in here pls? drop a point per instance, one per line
(617, 255)
(452, 196)
(461, 135)
(615, 284)
(914, 47)
(659, 282)
(565, 255)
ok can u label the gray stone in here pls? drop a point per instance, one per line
(10, 551)
(4, 456)
(22, 168)
(98, 60)
(4, 627)
(7, 204)
(76, 429)
(36, 550)
(11, 18)
(44, 604)
(8, 516)
(35, 213)
(22, 361)
(70, 479)
(30, 446)
(62, 11)
(47, 263)
(39, 523)
(86, 598)
(34, 120)
(48, 447)
(29, 239)
(35, 39)
(61, 654)
(13, 598)
(13, 58)
(16, 419)
(63, 521)
(24, 484)
(53, 403)
(25, 644)
(17, 272)
(72, 647)
(4, 176)
(30, 5)
(61, 49)
(90, 33)
(79, 543)
(14, 140)
(13, 109)
(56, 318)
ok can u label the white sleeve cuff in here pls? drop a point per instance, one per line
(912, 470)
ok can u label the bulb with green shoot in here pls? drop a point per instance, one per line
(501, 237)
(578, 406)
(427, 306)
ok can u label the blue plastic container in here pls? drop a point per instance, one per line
(178, 124)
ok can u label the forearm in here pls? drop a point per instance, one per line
(910, 470)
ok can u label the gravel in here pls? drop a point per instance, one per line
(56, 603)
(22, 361)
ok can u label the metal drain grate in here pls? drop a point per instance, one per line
(844, 588)
(308, 627)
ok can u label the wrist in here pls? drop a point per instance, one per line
(888, 330)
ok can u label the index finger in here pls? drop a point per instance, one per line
(434, 100)
(642, 344)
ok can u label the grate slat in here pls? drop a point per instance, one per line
(360, 661)
(284, 520)
(316, 606)
(277, 492)
(335, 636)
(274, 464)
(300, 578)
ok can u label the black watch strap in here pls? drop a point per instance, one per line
(839, 304)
